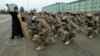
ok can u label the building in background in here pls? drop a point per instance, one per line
(76, 6)
(57, 7)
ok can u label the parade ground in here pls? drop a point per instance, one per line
(81, 45)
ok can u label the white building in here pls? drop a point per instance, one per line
(77, 6)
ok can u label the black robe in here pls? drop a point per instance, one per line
(16, 25)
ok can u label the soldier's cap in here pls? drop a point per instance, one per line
(89, 15)
(65, 17)
(34, 17)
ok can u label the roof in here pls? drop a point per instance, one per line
(55, 4)
(65, 3)
(76, 1)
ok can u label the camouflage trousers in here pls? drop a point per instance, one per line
(65, 34)
(91, 31)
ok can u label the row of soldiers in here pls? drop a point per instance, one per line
(45, 28)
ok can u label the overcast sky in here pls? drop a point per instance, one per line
(38, 4)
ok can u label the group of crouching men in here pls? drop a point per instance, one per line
(45, 28)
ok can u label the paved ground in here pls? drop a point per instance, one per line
(81, 46)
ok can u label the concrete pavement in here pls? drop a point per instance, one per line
(82, 45)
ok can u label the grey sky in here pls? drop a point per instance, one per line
(38, 4)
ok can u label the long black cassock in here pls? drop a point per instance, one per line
(16, 25)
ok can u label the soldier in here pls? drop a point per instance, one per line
(91, 23)
(55, 24)
(98, 25)
(32, 23)
(65, 31)
(37, 37)
(43, 35)
(97, 19)
(69, 28)
(75, 23)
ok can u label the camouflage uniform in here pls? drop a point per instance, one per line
(98, 24)
(42, 36)
(92, 25)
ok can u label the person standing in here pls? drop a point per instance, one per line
(16, 23)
